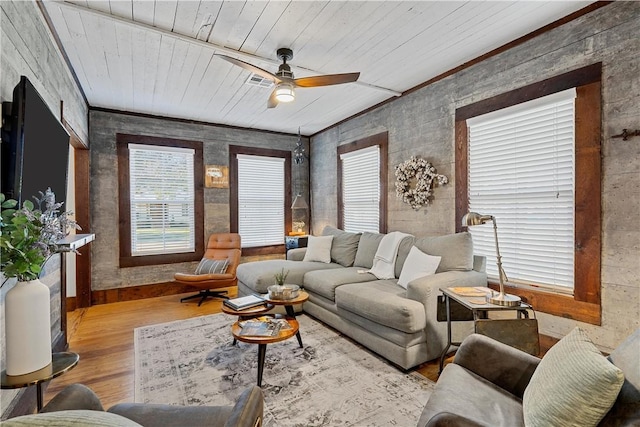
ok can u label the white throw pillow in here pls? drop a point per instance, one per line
(418, 264)
(319, 249)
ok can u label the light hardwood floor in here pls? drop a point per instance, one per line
(103, 337)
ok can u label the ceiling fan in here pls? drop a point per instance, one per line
(284, 80)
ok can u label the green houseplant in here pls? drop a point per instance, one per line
(281, 277)
(28, 236)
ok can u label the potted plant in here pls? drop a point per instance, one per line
(281, 277)
(28, 237)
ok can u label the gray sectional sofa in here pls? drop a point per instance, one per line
(397, 323)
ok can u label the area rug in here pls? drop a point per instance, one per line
(332, 381)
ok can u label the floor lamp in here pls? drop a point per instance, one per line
(473, 218)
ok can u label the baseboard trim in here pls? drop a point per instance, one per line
(141, 292)
(72, 304)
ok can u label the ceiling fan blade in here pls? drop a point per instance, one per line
(272, 102)
(256, 70)
(326, 80)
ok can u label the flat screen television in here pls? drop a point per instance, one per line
(35, 147)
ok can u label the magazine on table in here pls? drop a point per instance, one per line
(260, 328)
(244, 302)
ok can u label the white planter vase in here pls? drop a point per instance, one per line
(27, 327)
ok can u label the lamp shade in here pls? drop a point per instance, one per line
(299, 202)
(474, 218)
(284, 92)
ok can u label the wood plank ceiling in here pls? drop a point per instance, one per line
(157, 57)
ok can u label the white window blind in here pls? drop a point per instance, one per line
(162, 199)
(361, 190)
(261, 200)
(521, 171)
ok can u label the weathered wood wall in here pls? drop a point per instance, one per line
(422, 124)
(106, 273)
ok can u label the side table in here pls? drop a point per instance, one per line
(247, 313)
(288, 306)
(60, 363)
(478, 306)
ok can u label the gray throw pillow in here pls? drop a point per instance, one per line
(212, 266)
(574, 385)
(344, 245)
(367, 248)
(456, 250)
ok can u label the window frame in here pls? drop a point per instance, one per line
(585, 303)
(382, 141)
(234, 150)
(124, 202)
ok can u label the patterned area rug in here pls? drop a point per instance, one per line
(332, 381)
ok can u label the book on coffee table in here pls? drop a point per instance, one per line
(244, 302)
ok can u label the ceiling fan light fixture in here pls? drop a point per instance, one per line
(284, 92)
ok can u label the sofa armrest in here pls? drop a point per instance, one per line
(498, 363)
(480, 263)
(426, 290)
(296, 254)
(447, 419)
(74, 396)
(247, 412)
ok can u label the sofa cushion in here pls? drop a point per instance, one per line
(456, 251)
(383, 302)
(418, 264)
(325, 282)
(463, 393)
(574, 384)
(403, 253)
(259, 275)
(367, 247)
(76, 417)
(344, 245)
(318, 249)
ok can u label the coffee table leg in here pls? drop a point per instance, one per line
(262, 350)
(291, 313)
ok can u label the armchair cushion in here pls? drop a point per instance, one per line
(212, 266)
(573, 385)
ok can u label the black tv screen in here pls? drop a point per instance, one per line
(35, 155)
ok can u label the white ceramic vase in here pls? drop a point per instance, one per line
(27, 327)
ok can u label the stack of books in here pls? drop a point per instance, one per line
(243, 303)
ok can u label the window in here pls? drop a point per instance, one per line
(362, 190)
(521, 170)
(583, 301)
(260, 198)
(160, 200)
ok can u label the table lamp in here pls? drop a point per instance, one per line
(473, 218)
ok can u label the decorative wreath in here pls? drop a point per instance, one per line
(424, 174)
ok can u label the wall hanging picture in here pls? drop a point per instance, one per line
(216, 176)
(414, 181)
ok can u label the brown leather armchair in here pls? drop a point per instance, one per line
(219, 247)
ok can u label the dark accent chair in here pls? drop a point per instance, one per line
(219, 247)
(486, 381)
(80, 404)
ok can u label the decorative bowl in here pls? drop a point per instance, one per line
(283, 291)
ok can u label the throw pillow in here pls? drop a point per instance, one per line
(319, 249)
(367, 248)
(574, 385)
(344, 245)
(418, 264)
(212, 266)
